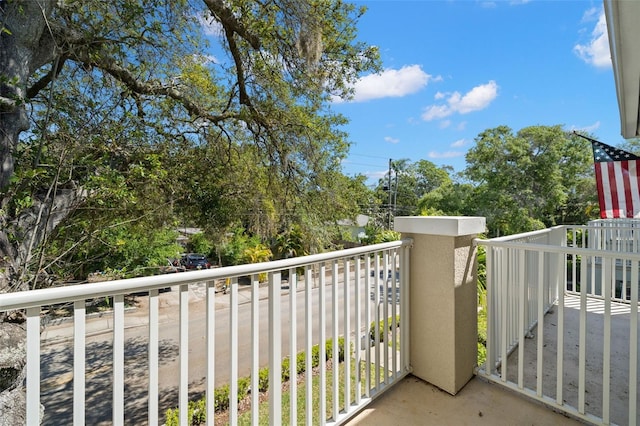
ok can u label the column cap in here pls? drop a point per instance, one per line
(452, 226)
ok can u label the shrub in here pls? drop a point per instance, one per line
(197, 413)
(197, 409)
(329, 346)
(243, 387)
(315, 356)
(221, 398)
(285, 369)
(382, 333)
(263, 379)
(301, 359)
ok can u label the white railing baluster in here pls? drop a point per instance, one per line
(504, 319)
(118, 359)
(521, 318)
(394, 321)
(358, 329)
(609, 275)
(33, 366)
(153, 356)
(368, 283)
(255, 349)
(308, 322)
(183, 391)
(405, 341)
(233, 352)
(210, 339)
(560, 336)
(79, 345)
(293, 346)
(275, 350)
(385, 317)
(322, 403)
(491, 261)
(347, 336)
(582, 349)
(335, 370)
(633, 346)
(376, 327)
(541, 312)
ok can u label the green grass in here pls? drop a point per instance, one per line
(245, 418)
(197, 410)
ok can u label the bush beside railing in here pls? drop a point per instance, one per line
(197, 409)
(382, 333)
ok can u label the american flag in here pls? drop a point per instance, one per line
(618, 181)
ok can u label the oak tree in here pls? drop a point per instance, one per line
(94, 96)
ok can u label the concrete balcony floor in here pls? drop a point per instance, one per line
(415, 402)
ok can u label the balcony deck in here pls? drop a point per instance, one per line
(415, 402)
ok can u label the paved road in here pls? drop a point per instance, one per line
(57, 354)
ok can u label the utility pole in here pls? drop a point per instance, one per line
(395, 195)
(389, 186)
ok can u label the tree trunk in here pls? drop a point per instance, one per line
(25, 46)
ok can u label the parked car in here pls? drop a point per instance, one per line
(193, 261)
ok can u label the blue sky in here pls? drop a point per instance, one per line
(455, 68)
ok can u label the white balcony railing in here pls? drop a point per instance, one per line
(304, 302)
(565, 301)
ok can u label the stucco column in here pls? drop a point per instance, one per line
(443, 298)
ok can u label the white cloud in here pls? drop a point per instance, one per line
(391, 83)
(376, 175)
(459, 143)
(476, 99)
(446, 154)
(592, 14)
(596, 51)
(209, 25)
(391, 140)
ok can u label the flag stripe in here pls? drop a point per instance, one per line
(625, 166)
(617, 181)
(615, 190)
(634, 180)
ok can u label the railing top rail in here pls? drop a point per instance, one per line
(50, 296)
(607, 227)
(523, 235)
(620, 221)
(560, 249)
(591, 226)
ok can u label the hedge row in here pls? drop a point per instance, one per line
(197, 409)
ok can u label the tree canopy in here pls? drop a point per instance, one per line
(122, 119)
(124, 113)
(538, 177)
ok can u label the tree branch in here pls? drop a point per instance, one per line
(230, 22)
(152, 88)
(45, 80)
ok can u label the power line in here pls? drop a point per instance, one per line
(369, 156)
(349, 163)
